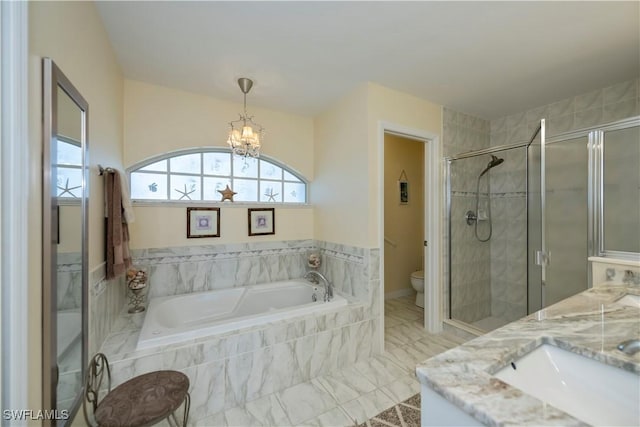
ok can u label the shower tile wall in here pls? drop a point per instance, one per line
(566, 183)
(593, 108)
(470, 259)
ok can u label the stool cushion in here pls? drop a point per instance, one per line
(143, 400)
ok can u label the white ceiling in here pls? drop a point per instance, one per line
(489, 59)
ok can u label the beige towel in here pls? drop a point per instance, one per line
(118, 256)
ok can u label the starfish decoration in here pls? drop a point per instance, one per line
(67, 189)
(227, 194)
(185, 193)
(271, 195)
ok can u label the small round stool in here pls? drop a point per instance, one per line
(145, 400)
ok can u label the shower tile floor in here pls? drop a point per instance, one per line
(357, 393)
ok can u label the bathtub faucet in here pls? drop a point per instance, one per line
(328, 287)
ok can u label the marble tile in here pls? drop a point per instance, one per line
(589, 101)
(345, 385)
(561, 108)
(335, 417)
(266, 411)
(368, 405)
(306, 401)
(402, 388)
(207, 389)
(380, 370)
(620, 110)
(215, 420)
(619, 92)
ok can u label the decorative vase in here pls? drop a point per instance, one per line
(137, 284)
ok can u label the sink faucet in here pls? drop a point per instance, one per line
(629, 347)
(328, 287)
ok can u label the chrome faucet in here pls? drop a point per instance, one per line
(328, 287)
(629, 347)
(631, 278)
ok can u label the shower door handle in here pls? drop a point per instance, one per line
(542, 258)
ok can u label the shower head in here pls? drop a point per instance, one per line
(495, 161)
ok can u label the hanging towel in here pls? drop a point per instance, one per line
(127, 206)
(129, 217)
(118, 256)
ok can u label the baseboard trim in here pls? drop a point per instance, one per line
(399, 293)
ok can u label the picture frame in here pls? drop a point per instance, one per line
(203, 222)
(262, 221)
(403, 187)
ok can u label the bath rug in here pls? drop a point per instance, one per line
(404, 414)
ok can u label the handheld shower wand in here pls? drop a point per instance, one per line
(472, 217)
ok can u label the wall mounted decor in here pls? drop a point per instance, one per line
(262, 221)
(227, 194)
(203, 222)
(403, 187)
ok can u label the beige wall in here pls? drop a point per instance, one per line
(340, 191)
(161, 227)
(346, 191)
(72, 34)
(403, 223)
(160, 120)
(387, 105)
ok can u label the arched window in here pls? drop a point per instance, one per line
(68, 166)
(197, 175)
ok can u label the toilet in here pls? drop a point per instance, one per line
(417, 281)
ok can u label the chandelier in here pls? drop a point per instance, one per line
(245, 135)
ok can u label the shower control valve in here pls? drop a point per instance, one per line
(471, 217)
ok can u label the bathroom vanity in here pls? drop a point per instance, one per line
(558, 366)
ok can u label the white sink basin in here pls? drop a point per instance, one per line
(632, 300)
(591, 391)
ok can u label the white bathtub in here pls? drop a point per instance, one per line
(180, 318)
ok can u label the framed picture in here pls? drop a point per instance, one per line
(404, 192)
(262, 221)
(203, 222)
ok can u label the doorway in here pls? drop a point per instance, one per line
(425, 235)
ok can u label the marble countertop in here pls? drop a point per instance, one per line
(590, 323)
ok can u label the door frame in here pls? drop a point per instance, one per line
(14, 176)
(432, 220)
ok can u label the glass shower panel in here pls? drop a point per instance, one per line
(621, 190)
(566, 221)
(508, 243)
(469, 259)
(534, 224)
(488, 238)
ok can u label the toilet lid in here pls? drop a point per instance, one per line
(418, 274)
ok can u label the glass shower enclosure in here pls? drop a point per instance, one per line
(524, 218)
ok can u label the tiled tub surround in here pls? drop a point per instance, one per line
(230, 369)
(591, 324)
(180, 270)
(105, 303)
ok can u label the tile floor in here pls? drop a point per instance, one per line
(355, 394)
